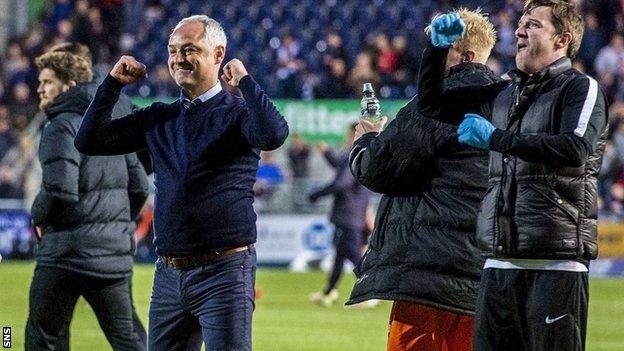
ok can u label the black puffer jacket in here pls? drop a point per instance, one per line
(86, 204)
(423, 248)
(541, 199)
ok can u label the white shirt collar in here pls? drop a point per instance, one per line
(207, 95)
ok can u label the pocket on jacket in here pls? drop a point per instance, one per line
(545, 221)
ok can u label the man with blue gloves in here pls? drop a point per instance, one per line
(537, 224)
(422, 253)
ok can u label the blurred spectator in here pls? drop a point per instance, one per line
(335, 48)
(7, 133)
(14, 60)
(333, 84)
(387, 59)
(348, 214)
(21, 72)
(608, 63)
(63, 33)
(593, 41)
(61, 10)
(21, 104)
(363, 72)
(288, 66)
(14, 168)
(505, 48)
(309, 83)
(268, 176)
(84, 31)
(112, 15)
(299, 157)
(407, 63)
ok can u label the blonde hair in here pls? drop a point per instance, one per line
(479, 36)
(564, 18)
(66, 66)
(213, 31)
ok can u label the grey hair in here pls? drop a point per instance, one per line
(213, 32)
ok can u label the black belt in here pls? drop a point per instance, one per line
(200, 259)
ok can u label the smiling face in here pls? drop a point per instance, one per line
(50, 86)
(193, 64)
(538, 43)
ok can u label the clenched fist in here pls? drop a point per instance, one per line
(233, 72)
(128, 70)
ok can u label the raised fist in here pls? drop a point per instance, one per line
(447, 29)
(128, 70)
(233, 72)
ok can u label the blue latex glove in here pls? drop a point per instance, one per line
(475, 131)
(446, 29)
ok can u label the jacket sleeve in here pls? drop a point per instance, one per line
(397, 161)
(430, 80)
(100, 134)
(262, 125)
(343, 180)
(60, 166)
(584, 118)
(138, 188)
(332, 157)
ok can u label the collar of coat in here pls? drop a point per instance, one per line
(554, 69)
(474, 81)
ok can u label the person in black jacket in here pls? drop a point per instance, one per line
(422, 254)
(122, 108)
(205, 150)
(348, 215)
(83, 216)
(537, 223)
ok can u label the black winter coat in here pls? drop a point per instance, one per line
(86, 205)
(423, 248)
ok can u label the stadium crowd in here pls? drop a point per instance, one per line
(341, 45)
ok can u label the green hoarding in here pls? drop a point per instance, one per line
(317, 120)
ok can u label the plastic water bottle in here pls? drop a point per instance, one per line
(370, 109)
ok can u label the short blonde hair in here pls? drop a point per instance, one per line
(67, 67)
(479, 36)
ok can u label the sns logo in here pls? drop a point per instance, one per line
(6, 337)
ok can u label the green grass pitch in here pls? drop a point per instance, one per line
(284, 319)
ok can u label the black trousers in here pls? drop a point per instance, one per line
(348, 242)
(53, 296)
(531, 310)
(62, 343)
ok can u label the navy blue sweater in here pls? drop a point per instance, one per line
(205, 160)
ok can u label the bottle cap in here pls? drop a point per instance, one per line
(367, 87)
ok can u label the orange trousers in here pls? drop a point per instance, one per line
(416, 327)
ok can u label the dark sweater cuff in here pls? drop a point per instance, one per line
(497, 142)
(112, 84)
(247, 83)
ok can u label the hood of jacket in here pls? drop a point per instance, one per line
(74, 100)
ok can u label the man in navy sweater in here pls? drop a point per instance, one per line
(205, 150)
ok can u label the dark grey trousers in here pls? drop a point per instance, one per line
(53, 296)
